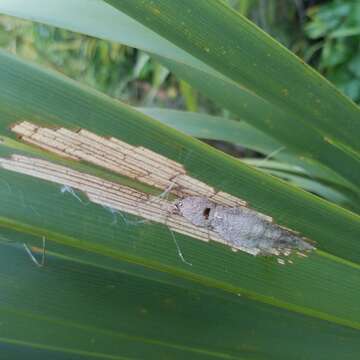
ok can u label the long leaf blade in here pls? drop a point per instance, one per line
(45, 98)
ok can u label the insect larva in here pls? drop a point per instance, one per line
(241, 227)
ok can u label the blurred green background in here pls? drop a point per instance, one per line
(325, 34)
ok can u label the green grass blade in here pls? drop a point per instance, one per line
(80, 311)
(205, 126)
(285, 81)
(298, 176)
(39, 208)
(321, 145)
(266, 69)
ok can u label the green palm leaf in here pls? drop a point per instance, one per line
(111, 290)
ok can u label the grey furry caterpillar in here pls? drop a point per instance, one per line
(241, 227)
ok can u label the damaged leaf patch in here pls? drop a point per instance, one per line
(108, 193)
(137, 163)
(201, 212)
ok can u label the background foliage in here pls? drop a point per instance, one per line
(325, 35)
(335, 30)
